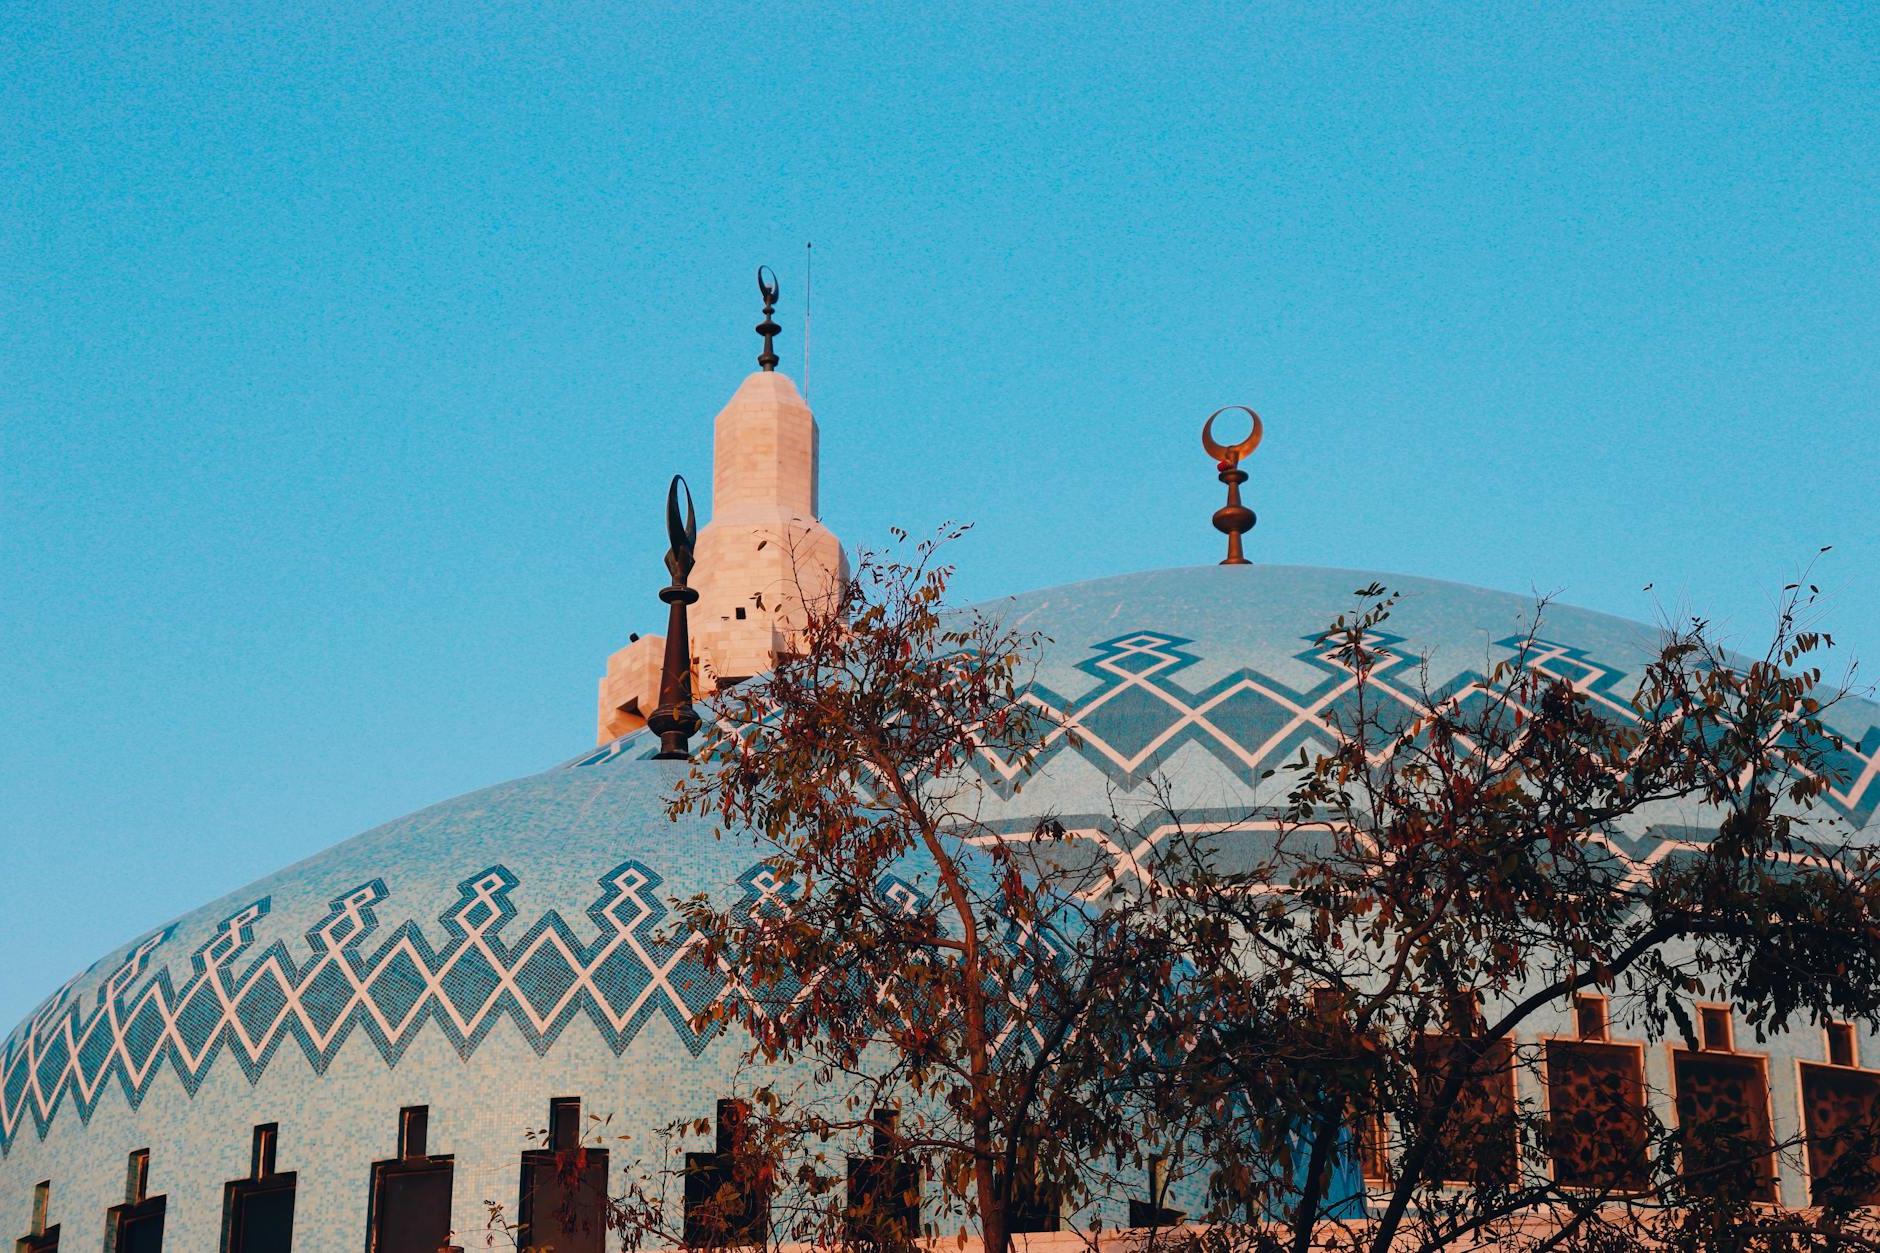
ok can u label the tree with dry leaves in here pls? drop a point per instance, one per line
(1374, 997)
(1333, 1022)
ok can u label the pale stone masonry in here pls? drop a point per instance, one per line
(762, 558)
(630, 688)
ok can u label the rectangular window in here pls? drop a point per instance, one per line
(722, 1205)
(1714, 1029)
(261, 1155)
(1155, 1212)
(1591, 1019)
(1596, 1126)
(408, 1209)
(1373, 1151)
(259, 1215)
(1477, 1142)
(258, 1212)
(1033, 1208)
(884, 1187)
(1841, 1120)
(414, 1130)
(46, 1241)
(1723, 1125)
(1843, 1044)
(137, 1225)
(564, 1123)
(1362, 1138)
(41, 1238)
(139, 1228)
(410, 1205)
(564, 1188)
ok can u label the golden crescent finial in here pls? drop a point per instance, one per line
(1229, 455)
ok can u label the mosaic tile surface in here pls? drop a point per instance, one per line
(507, 946)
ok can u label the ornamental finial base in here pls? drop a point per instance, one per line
(1232, 519)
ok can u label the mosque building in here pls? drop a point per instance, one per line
(347, 1053)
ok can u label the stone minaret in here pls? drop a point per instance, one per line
(762, 558)
(765, 554)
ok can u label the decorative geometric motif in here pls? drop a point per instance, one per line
(1140, 714)
(1598, 1132)
(1841, 1116)
(391, 987)
(1723, 1120)
(618, 971)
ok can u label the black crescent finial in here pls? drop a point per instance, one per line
(675, 721)
(681, 529)
(768, 328)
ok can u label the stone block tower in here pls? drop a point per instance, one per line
(763, 559)
(764, 556)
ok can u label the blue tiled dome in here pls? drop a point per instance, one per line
(493, 952)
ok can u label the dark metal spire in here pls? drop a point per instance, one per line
(1232, 519)
(768, 328)
(675, 720)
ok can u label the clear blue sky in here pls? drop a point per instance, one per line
(344, 354)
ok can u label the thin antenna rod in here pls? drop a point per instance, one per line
(808, 253)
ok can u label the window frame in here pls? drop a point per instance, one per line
(262, 1180)
(731, 1114)
(139, 1206)
(238, 1191)
(1592, 1000)
(1802, 1066)
(881, 1168)
(548, 1158)
(1509, 1072)
(413, 1158)
(1674, 1051)
(1704, 1011)
(1828, 1030)
(43, 1236)
(1641, 1052)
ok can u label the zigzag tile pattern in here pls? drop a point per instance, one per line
(1140, 713)
(391, 987)
(618, 970)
